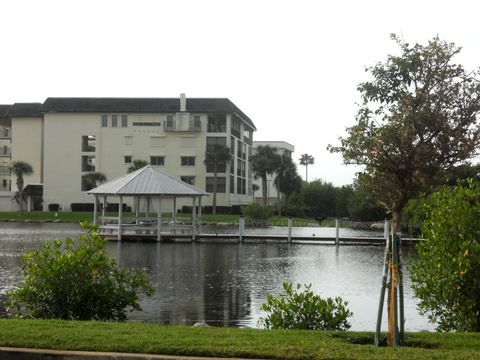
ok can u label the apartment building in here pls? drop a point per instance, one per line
(67, 138)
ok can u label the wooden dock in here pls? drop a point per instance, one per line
(235, 238)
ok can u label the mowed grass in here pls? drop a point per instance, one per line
(133, 337)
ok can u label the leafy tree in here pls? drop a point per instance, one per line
(77, 280)
(218, 156)
(91, 179)
(362, 207)
(319, 198)
(264, 162)
(20, 169)
(306, 160)
(295, 309)
(287, 180)
(446, 277)
(137, 164)
(418, 118)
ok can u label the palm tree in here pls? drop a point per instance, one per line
(264, 162)
(306, 160)
(217, 156)
(288, 181)
(20, 168)
(137, 164)
(90, 180)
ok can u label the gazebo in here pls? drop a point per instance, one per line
(150, 185)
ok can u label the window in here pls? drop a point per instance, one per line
(217, 123)
(241, 186)
(157, 160)
(169, 124)
(221, 168)
(232, 145)
(212, 141)
(232, 184)
(196, 121)
(210, 184)
(88, 143)
(240, 168)
(88, 163)
(124, 120)
(232, 165)
(146, 124)
(236, 125)
(127, 159)
(187, 160)
(114, 120)
(188, 179)
(104, 120)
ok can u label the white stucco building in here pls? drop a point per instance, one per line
(66, 138)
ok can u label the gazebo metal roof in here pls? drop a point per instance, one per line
(147, 181)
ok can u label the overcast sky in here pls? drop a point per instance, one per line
(291, 66)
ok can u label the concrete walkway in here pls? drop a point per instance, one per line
(7, 353)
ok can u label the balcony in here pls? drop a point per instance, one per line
(5, 133)
(4, 170)
(5, 151)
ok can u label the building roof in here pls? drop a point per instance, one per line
(147, 181)
(142, 105)
(4, 110)
(25, 110)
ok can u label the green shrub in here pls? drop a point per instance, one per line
(446, 278)
(257, 215)
(305, 310)
(77, 280)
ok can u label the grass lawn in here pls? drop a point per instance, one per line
(229, 342)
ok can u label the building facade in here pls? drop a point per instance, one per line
(69, 138)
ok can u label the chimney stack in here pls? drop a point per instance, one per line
(183, 102)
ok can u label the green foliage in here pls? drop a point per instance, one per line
(257, 215)
(306, 160)
(418, 118)
(319, 197)
(304, 310)
(76, 280)
(137, 164)
(446, 278)
(265, 161)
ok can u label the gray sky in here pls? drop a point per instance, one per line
(291, 66)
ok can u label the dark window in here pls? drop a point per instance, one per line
(232, 145)
(212, 141)
(187, 160)
(128, 159)
(236, 125)
(241, 186)
(232, 184)
(221, 168)
(124, 120)
(196, 122)
(88, 163)
(104, 120)
(88, 143)
(188, 179)
(217, 123)
(146, 124)
(220, 184)
(232, 166)
(114, 120)
(169, 124)
(157, 160)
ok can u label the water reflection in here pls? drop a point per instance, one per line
(225, 284)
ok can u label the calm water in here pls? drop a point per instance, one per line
(225, 284)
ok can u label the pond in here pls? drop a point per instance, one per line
(225, 284)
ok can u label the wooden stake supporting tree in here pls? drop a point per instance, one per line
(396, 316)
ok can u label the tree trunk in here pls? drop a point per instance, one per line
(279, 208)
(264, 188)
(306, 172)
(214, 200)
(20, 193)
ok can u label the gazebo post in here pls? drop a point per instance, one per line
(193, 218)
(120, 218)
(137, 206)
(174, 214)
(104, 206)
(95, 210)
(199, 214)
(159, 219)
(148, 208)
